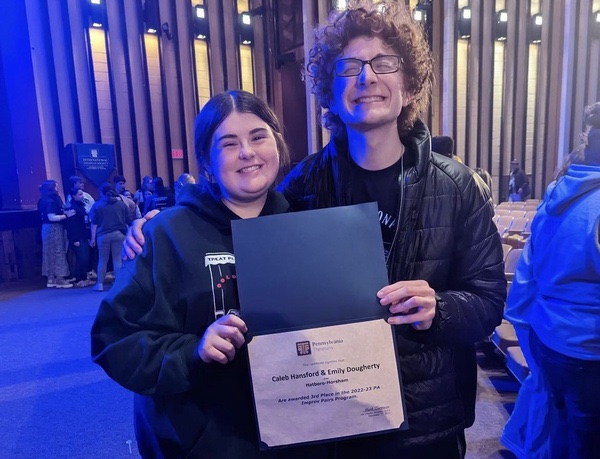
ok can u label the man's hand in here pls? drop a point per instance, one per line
(411, 302)
(133, 244)
(221, 339)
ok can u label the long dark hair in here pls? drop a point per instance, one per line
(220, 107)
(48, 188)
(49, 192)
(588, 151)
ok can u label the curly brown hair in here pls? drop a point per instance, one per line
(394, 24)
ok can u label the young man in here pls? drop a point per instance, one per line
(371, 68)
(120, 182)
(77, 183)
(518, 183)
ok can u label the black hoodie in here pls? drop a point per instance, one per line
(148, 328)
(78, 227)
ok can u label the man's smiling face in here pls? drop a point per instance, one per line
(368, 100)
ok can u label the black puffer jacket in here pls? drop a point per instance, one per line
(445, 236)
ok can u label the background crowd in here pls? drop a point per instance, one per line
(82, 234)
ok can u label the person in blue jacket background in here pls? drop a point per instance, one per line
(555, 304)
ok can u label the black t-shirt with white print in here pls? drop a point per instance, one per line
(382, 187)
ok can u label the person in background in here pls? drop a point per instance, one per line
(157, 332)
(78, 233)
(443, 144)
(487, 178)
(162, 197)
(143, 193)
(182, 180)
(120, 182)
(554, 304)
(518, 183)
(54, 242)
(78, 183)
(371, 69)
(110, 218)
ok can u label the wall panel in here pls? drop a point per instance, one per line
(156, 104)
(126, 151)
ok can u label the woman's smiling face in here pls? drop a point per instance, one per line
(244, 158)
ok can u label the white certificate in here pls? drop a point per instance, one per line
(326, 383)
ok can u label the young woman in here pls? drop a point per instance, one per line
(109, 217)
(54, 242)
(158, 332)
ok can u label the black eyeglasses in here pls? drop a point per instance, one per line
(351, 66)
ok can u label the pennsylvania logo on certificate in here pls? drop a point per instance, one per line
(303, 348)
(326, 383)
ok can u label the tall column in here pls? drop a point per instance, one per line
(22, 164)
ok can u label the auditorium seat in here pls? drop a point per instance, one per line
(518, 225)
(516, 363)
(530, 207)
(510, 263)
(502, 230)
(516, 241)
(505, 249)
(517, 213)
(516, 205)
(504, 336)
(502, 211)
(504, 220)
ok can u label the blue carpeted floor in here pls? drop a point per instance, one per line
(54, 402)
